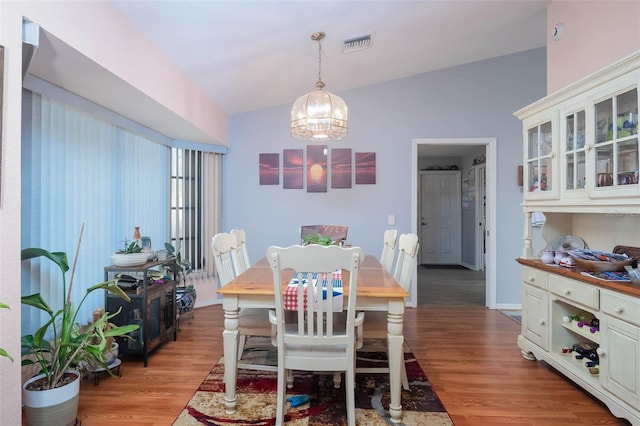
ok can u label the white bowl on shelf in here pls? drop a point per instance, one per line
(129, 259)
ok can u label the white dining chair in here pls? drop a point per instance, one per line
(240, 253)
(251, 321)
(375, 323)
(390, 241)
(314, 338)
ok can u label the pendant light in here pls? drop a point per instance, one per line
(319, 115)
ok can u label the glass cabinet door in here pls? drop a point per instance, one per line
(616, 136)
(575, 151)
(540, 159)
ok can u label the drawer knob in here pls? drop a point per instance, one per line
(566, 291)
(532, 278)
(600, 352)
(618, 310)
(542, 321)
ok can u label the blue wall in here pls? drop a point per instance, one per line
(468, 101)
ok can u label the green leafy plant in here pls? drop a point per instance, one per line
(317, 239)
(183, 266)
(130, 247)
(3, 352)
(61, 342)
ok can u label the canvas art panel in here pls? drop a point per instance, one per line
(292, 169)
(341, 168)
(270, 169)
(317, 168)
(365, 168)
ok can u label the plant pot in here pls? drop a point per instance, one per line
(129, 259)
(110, 357)
(57, 406)
(112, 354)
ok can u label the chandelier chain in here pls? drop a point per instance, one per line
(319, 60)
(318, 36)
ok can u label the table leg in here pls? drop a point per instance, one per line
(230, 340)
(395, 339)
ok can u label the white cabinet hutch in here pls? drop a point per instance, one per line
(581, 169)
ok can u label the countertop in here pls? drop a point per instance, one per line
(572, 273)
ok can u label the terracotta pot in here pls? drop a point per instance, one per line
(57, 406)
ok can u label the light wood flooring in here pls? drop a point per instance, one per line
(469, 355)
(457, 286)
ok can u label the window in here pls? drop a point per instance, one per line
(78, 168)
(194, 204)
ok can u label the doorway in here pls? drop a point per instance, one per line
(488, 206)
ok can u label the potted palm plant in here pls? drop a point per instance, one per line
(61, 345)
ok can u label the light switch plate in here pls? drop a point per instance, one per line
(391, 220)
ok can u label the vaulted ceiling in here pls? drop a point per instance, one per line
(250, 55)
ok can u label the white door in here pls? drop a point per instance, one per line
(440, 201)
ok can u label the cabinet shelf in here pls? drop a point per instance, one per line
(152, 307)
(584, 331)
(577, 366)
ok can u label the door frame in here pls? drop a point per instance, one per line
(480, 172)
(491, 189)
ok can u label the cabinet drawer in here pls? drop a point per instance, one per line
(534, 277)
(572, 290)
(621, 306)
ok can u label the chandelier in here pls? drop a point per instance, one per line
(319, 115)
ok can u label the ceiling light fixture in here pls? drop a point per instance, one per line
(319, 115)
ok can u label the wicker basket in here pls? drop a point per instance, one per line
(601, 266)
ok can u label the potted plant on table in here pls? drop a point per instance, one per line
(319, 239)
(61, 345)
(131, 255)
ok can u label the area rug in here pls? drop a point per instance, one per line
(256, 393)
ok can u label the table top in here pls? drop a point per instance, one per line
(373, 281)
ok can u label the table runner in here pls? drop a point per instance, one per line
(291, 292)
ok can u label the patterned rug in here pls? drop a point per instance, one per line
(256, 393)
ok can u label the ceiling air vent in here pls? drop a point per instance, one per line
(357, 43)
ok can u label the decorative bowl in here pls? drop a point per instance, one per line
(129, 259)
(601, 265)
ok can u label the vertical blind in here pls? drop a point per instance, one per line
(194, 200)
(78, 168)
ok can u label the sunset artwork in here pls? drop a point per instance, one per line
(365, 168)
(341, 168)
(292, 169)
(269, 169)
(316, 168)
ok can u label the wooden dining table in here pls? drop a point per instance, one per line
(377, 291)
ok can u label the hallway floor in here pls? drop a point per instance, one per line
(450, 286)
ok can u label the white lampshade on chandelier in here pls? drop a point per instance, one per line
(319, 115)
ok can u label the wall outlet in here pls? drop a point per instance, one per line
(391, 220)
